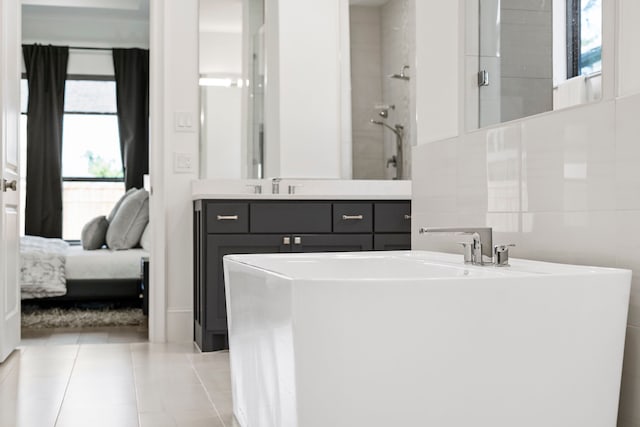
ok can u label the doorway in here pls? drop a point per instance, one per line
(91, 156)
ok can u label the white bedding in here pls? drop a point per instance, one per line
(42, 267)
(103, 263)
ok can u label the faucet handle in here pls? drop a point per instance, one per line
(257, 188)
(468, 251)
(501, 255)
(292, 188)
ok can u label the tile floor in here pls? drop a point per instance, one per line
(108, 378)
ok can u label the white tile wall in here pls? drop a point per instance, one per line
(563, 186)
(525, 58)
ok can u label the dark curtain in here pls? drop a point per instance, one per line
(573, 38)
(46, 74)
(132, 95)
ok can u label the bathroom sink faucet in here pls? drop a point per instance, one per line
(480, 248)
(275, 185)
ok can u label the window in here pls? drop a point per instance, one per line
(92, 172)
(584, 37)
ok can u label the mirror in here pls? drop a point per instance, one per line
(232, 79)
(382, 44)
(221, 89)
(534, 57)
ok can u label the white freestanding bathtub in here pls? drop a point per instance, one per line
(386, 339)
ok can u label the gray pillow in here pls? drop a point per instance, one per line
(145, 239)
(119, 203)
(129, 221)
(94, 233)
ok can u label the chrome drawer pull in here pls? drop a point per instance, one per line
(352, 217)
(407, 216)
(227, 217)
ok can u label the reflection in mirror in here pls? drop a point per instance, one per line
(255, 58)
(220, 66)
(537, 56)
(232, 71)
(382, 61)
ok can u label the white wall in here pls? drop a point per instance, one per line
(174, 88)
(221, 54)
(562, 185)
(221, 133)
(438, 68)
(303, 90)
(75, 26)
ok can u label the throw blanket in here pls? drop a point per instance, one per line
(42, 271)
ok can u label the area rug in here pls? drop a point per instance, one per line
(56, 317)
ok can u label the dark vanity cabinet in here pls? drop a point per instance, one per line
(223, 227)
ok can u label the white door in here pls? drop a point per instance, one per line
(10, 68)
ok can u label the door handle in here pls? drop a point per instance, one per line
(227, 217)
(11, 185)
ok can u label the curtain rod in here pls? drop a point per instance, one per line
(89, 48)
(102, 48)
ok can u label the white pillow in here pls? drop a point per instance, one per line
(112, 214)
(145, 239)
(126, 228)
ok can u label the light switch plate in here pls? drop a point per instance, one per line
(183, 163)
(184, 121)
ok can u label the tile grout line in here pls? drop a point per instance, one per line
(66, 388)
(215, 408)
(135, 382)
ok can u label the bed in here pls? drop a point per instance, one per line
(107, 264)
(54, 270)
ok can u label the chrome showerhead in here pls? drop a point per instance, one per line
(402, 75)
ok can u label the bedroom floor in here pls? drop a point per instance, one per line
(93, 335)
(114, 384)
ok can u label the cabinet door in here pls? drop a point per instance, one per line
(331, 242)
(392, 242)
(392, 217)
(219, 245)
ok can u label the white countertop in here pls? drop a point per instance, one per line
(304, 189)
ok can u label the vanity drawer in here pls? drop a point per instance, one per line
(393, 217)
(352, 217)
(290, 217)
(227, 217)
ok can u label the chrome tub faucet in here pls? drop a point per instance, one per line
(481, 250)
